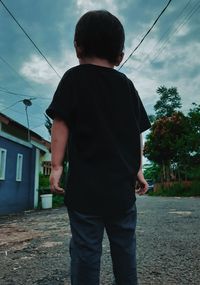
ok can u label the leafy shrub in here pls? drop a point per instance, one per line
(184, 189)
(58, 201)
(43, 181)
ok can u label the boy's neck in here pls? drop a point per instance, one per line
(96, 61)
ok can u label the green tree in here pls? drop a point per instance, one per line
(194, 134)
(174, 140)
(152, 171)
(194, 116)
(169, 102)
(167, 145)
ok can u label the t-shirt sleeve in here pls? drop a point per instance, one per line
(141, 114)
(63, 103)
(143, 120)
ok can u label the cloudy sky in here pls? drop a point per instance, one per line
(169, 56)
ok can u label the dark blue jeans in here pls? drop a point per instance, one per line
(86, 247)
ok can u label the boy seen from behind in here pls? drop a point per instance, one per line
(99, 118)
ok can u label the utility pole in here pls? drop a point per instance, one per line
(27, 103)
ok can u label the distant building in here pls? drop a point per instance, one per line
(21, 161)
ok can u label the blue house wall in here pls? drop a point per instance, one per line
(17, 196)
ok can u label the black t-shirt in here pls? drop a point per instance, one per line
(105, 117)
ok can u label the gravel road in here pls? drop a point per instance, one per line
(34, 245)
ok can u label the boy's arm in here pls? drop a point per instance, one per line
(59, 140)
(143, 185)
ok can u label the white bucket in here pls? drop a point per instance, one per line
(46, 201)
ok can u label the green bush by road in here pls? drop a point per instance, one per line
(177, 189)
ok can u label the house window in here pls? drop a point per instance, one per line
(19, 167)
(3, 153)
(46, 168)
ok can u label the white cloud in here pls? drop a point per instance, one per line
(182, 31)
(141, 55)
(84, 6)
(173, 67)
(37, 70)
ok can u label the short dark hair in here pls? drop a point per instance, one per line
(99, 33)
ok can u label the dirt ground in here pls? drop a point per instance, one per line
(34, 249)
(34, 245)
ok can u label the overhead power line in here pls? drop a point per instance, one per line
(156, 20)
(38, 126)
(162, 40)
(27, 35)
(15, 111)
(10, 106)
(14, 71)
(2, 89)
(187, 18)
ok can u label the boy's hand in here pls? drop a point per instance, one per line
(142, 183)
(55, 180)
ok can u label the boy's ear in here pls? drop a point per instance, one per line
(119, 59)
(78, 49)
